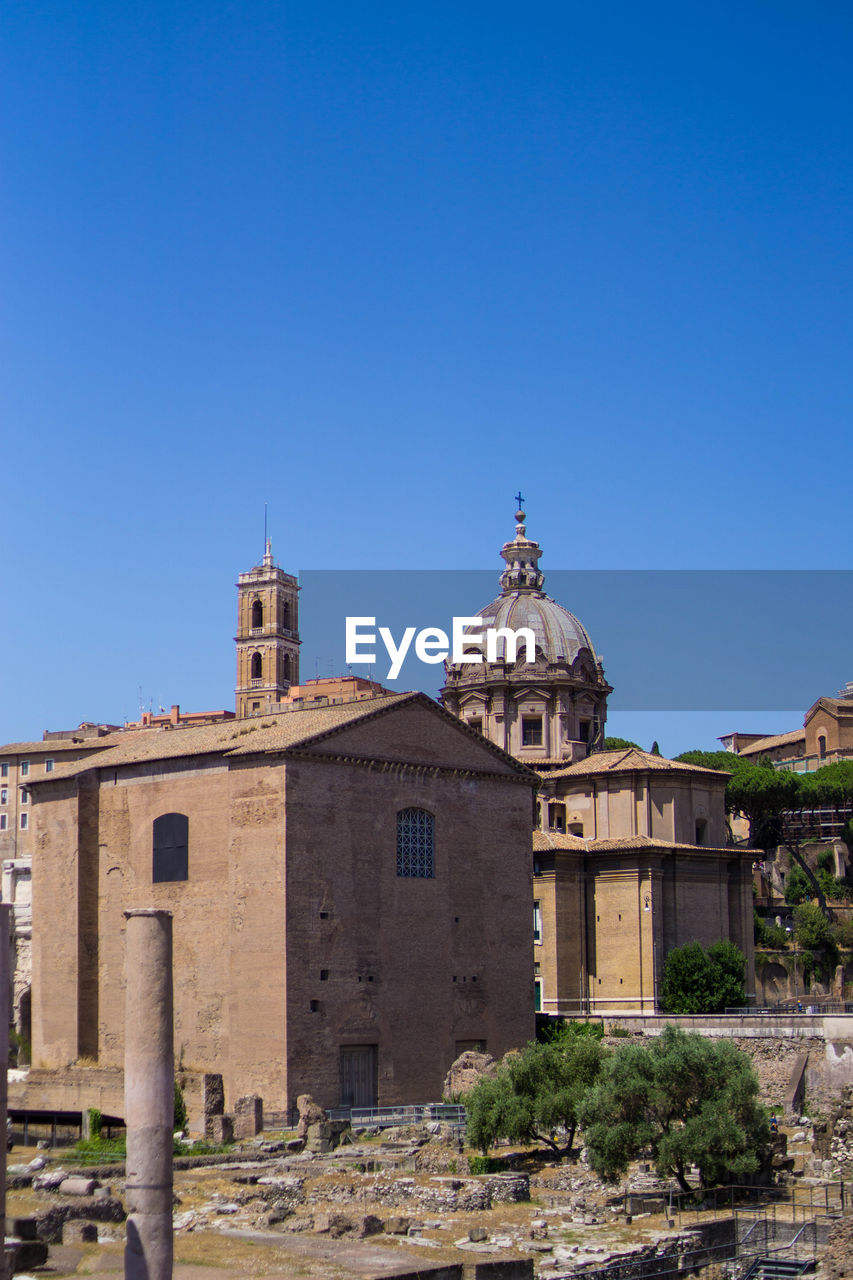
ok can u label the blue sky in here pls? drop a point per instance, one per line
(379, 266)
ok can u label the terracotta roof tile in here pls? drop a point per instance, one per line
(253, 735)
(628, 760)
(775, 740)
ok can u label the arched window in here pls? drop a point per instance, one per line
(821, 747)
(257, 615)
(416, 844)
(257, 666)
(171, 847)
(286, 666)
(285, 621)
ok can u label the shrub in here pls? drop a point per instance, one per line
(180, 1117)
(699, 981)
(843, 932)
(797, 887)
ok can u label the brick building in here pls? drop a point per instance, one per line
(630, 861)
(351, 889)
(631, 851)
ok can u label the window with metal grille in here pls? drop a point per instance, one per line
(171, 843)
(416, 844)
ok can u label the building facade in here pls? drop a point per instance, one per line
(350, 885)
(630, 861)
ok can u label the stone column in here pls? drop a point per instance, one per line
(149, 1094)
(5, 1011)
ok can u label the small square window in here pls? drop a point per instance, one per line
(324, 975)
(25, 821)
(25, 768)
(48, 766)
(314, 1006)
(531, 731)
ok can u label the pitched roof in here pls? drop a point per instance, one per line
(546, 840)
(258, 735)
(56, 746)
(836, 706)
(628, 760)
(775, 740)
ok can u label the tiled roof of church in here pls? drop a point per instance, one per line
(775, 740)
(57, 745)
(274, 732)
(628, 760)
(545, 840)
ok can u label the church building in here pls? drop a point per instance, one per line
(350, 885)
(631, 851)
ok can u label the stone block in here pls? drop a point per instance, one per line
(77, 1186)
(212, 1101)
(22, 1228)
(24, 1256)
(325, 1135)
(248, 1117)
(368, 1225)
(221, 1129)
(79, 1231)
(397, 1226)
(505, 1269)
(337, 1224)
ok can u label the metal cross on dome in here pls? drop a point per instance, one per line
(519, 499)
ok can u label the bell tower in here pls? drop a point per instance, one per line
(267, 636)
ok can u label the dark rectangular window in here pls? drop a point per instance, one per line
(171, 848)
(583, 730)
(416, 844)
(531, 731)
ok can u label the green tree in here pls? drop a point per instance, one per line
(814, 934)
(776, 801)
(620, 744)
(812, 930)
(535, 1094)
(699, 981)
(684, 1101)
(180, 1112)
(798, 887)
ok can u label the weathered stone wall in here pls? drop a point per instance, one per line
(435, 1195)
(293, 934)
(415, 967)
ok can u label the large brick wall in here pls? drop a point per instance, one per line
(293, 934)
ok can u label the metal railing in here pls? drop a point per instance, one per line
(388, 1117)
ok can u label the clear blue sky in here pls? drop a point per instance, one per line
(379, 265)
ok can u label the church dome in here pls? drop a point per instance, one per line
(551, 709)
(522, 603)
(559, 634)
